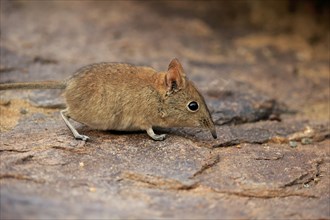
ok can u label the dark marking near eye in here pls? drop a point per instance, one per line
(204, 122)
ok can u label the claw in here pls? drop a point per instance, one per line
(82, 137)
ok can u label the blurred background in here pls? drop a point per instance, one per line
(280, 48)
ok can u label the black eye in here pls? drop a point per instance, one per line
(193, 106)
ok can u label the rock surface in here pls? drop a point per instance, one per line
(266, 83)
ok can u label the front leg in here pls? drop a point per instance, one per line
(154, 136)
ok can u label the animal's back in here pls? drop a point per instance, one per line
(108, 95)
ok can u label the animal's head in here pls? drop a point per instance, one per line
(186, 107)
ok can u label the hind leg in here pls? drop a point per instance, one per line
(73, 130)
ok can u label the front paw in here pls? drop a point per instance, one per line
(160, 137)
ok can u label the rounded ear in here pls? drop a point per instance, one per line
(175, 77)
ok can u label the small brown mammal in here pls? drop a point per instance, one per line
(116, 96)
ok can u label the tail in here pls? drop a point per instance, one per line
(34, 85)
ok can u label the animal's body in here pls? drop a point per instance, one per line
(116, 96)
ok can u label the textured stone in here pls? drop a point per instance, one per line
(266, 83)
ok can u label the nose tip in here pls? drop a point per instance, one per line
(214, 133)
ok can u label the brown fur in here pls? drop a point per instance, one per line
(116, 96)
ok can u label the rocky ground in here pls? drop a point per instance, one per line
(263, 67)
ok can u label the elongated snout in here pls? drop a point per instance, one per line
(209, 124)
(213, 131)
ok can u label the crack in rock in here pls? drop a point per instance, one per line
(265, 193)
(264, 132)
(78, 149)
(24, 159)
(211, 163)
(303, 178)
(306, 177)
(157, 181)
(151, 181)
(13, 150)
(20, 177)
